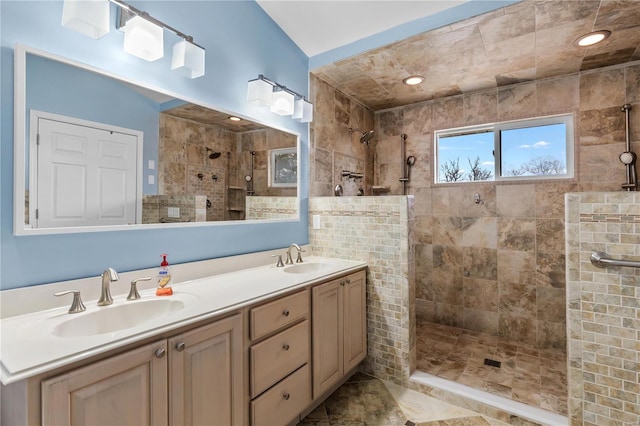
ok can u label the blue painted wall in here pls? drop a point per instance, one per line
(241, 42)
(63, 89)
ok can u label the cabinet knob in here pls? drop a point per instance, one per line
(286, 396)
(180, 346)
(342, 283)
(160, 353)
(286, 312)
(285, 347)
(348, 281)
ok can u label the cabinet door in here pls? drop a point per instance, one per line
(128, 389)
(205, 375)
(355, 320)
(328, 361)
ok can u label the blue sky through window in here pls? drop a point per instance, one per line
(519, 147)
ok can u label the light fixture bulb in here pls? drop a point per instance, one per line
(89, 17)
(188, 59)
(259, 92)
(413, 80)
(234, 118)
(592, 38)
(298, 107)
(143, 39)
(307, 112)
(282, 103)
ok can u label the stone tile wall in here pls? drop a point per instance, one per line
(333, 149)
(499, 266)
(376, 230)
(603, 309)
(272, 207)
(192, 208)
(184, 166)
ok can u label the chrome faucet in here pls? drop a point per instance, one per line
(108, 276)
(289, 261)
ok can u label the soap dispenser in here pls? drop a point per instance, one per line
(164, 278)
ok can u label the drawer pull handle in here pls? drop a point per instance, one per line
(286, 396)
(285, 347)
(286, 312)
(180, 346)
(342, 283)
(160, 353)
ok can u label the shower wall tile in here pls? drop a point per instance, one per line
(516, 200)
(332, 145)
(516, 234)
(603, 309)
(602, 89)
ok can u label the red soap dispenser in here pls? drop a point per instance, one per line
(164, 278)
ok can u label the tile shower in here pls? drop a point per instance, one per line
(498, 267)
(188, 177)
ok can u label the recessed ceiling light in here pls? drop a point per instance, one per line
(592, 38)
(413, 80)
(233, 118)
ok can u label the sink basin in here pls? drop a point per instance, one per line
(117, 317)
(307, 268)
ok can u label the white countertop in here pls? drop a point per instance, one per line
(28, 347)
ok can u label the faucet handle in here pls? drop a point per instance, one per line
(299, 259)
(279, 264)
(133, 291)
(77, 305)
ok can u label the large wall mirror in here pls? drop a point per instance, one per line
(96, 152)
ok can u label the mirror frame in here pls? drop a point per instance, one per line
(21, 144)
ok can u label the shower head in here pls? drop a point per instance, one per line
(365, 137)
(411, 160)
(214, 154)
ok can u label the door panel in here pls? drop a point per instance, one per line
(86, 176)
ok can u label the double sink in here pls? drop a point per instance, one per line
(71, 337)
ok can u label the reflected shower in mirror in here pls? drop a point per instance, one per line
(100, 151)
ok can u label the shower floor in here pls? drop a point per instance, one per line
(536, 377)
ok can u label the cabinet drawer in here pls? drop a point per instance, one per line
(274, 315)
(279, 355)
(286, 400)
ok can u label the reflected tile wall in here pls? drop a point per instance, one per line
(376, 230)
(510, 247)
(271, 207)
(603, 309)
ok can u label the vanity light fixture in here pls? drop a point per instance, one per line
(592, 38)
(143, 33)
(281, 100)
(143, 39)
(282, 103)
(413, 80)
(89, 17)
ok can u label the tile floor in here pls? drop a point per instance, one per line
(365, 400)
(536, 377)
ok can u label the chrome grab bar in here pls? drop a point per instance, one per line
(602, 260)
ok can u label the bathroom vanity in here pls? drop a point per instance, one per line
(261, 346)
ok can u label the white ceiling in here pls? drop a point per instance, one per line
(317, 26)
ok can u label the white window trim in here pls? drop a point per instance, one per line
(496, 128)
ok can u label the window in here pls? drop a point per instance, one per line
(540, 148)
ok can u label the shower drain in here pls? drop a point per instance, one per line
(492, 362)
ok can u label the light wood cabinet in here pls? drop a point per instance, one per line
(339, 329)
(280, 378)
(205, 373)
(127, 389)
(192, 378)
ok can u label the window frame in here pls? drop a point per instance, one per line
(567, 119)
